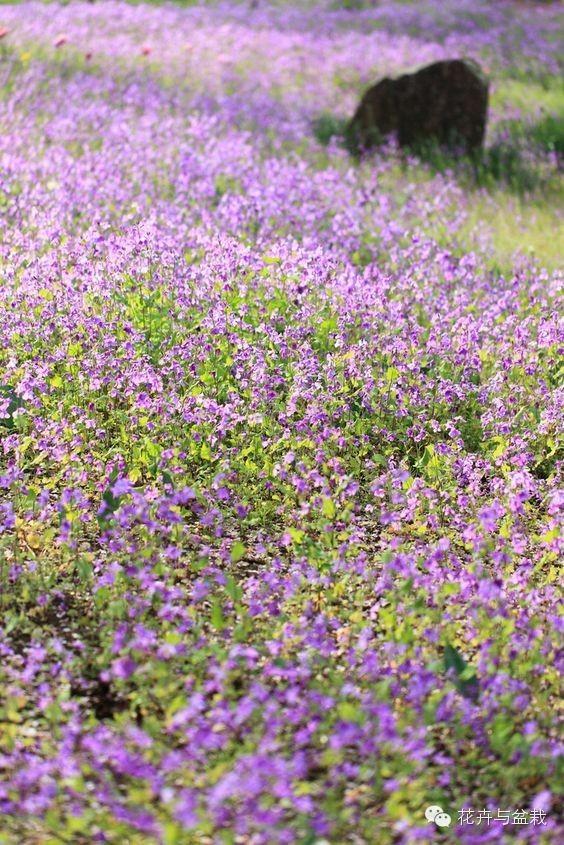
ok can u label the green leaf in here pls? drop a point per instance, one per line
(117, 609)
(238, 551)
(15, 402)
(84, 569)
(328, 508)
(502, 730)
(233, 589)
(454, 660)
(465, 679)
(74, 350)
(217, 618)
(173, 834)
(350, 712)
(110, 502)
(296, 534)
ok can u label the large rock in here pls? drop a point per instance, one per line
(446, 102)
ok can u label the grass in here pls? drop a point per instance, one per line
(533, 229)
(512, 184)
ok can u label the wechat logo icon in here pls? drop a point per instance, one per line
(437, 815)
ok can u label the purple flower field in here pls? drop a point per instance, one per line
(280, 430)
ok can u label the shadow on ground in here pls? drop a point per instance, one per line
(522, 156)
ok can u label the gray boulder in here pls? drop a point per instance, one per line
(444, 103)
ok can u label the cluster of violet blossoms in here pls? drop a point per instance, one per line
(280, 479)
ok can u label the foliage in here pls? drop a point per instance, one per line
(280, 431)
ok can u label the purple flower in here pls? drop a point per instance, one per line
(121, 487)
(123, 667)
